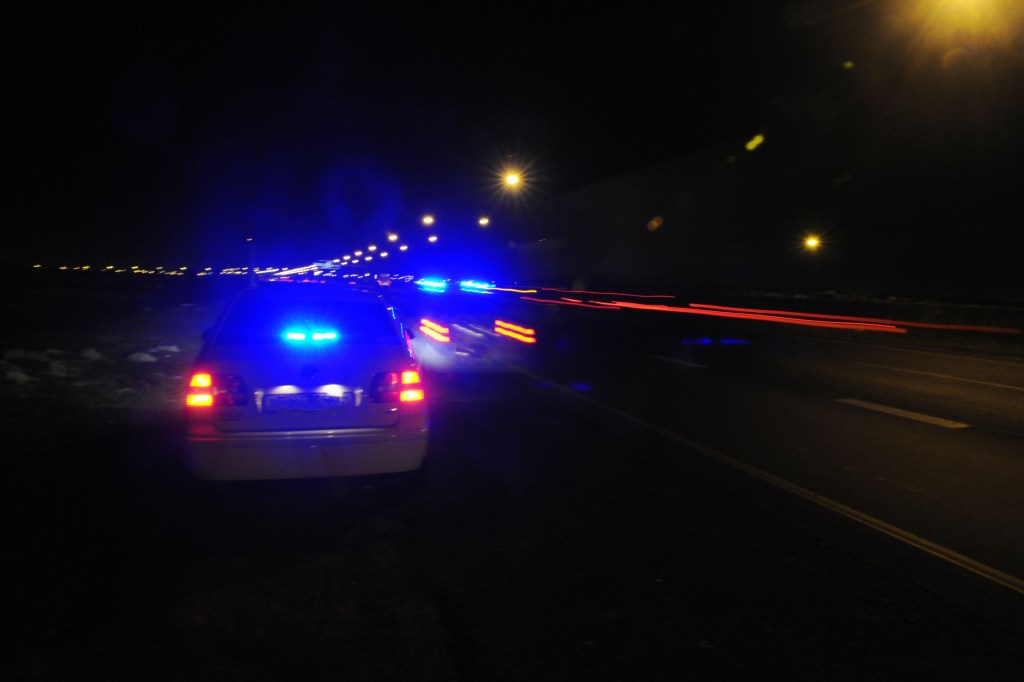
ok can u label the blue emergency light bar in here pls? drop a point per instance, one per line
(475, 287)
(428, 284)
(311, 336)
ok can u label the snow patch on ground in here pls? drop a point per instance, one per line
(58, 369)
(21, 354)
(141, 357)
(17, 376)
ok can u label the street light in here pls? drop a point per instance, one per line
(432, 238)
(403, 247)
(392, 237)
(812, 242)
(484, 221)
(428, 220)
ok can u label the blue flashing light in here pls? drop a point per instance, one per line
(312, 336)
(435, 285)
(475, 287)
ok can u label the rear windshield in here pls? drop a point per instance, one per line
(260, 322)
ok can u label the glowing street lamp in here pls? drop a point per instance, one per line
(371, 247)
(403, 247)
(512, 179)
(392, 237)
(484, 221)
(812, 242)
(432, 238)
(428, 220)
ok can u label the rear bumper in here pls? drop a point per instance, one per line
(309, 454)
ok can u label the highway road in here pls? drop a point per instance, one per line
(621, 499)
(922, 446)
(930, 443)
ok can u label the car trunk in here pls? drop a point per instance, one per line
(295, 391)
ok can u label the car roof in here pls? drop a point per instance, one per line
(309, 291)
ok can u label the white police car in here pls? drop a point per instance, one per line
(305, 380)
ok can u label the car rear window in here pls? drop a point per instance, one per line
(268, 321)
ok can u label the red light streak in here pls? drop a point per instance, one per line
(434, 330)
(831, 324)
(514, 335)
(578, 305)
(514, 327)
(606, 293)
(434, 325)
(515, 291)
(851, 318)
(434, 335)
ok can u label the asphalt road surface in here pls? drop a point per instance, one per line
(717, 501)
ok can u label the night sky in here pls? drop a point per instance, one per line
(167, 134)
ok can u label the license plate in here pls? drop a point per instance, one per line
(305, 402)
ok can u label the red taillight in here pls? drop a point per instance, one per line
(221, 390)
(390, 387)
(199, 400)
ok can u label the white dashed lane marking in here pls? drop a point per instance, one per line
(906, 414)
